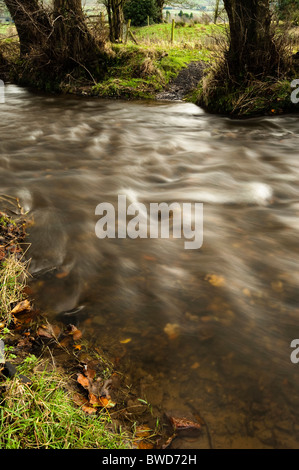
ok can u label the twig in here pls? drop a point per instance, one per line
(81, 65)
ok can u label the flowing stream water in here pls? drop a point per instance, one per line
(204, 331)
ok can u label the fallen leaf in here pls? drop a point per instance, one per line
(106, 402)
(44, 332)
(125, 341)
(215, 280)
(93, 400)
(74, 332)
(48, 331)
(79, 399)
(180, 424)
(196, 365)
(169, 441)
(24, 343)
(82, 380)
(65, 341)
(145, 445)
(89, 372)
(89, 409)
(20, 307)
(149, 258)
(28, 290)
(142, 432)
(172, 330)
(78, 347)
(62, 274)
(77, 335)
(246, 292)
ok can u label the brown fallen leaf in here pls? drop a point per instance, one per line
(169, 441)
(106, 402)
(79, 399)
(195, 365)
(28, 290)
(82, 380)
(145, 445)
(142, 431)
(125, 341)
(65, 341)
(20, 307)
(215, 280)
(149, 258)
(89, 372)
(44, 332)
(180, 424)
(48, 331)
(74, 332)
(62, 274)
(93, 400)
(24, 343)
(77, 335)
(89, 409)
(172, 330)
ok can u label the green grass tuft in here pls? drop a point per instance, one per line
(43, 415)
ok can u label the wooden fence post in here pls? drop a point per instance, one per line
(172, 30)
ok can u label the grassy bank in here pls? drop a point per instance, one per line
(145, 69)
(253, 98)
(140, 72)
(40, 414)
(133, 71)
(56, 391)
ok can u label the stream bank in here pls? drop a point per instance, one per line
(37, 353)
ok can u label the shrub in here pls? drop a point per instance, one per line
(139, 10)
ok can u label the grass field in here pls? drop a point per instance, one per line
(144, 69)
(190, 34)
(7, 32)
(3, 28)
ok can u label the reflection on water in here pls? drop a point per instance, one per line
(209, 329)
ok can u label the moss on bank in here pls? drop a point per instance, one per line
(135, 72)
(252, 98)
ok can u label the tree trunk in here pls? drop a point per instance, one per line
(251, 45)
(160, 5)
(116, 19)
(32, 23)
(72, 38)
(216, 11)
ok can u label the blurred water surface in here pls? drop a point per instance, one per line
(206, 331)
